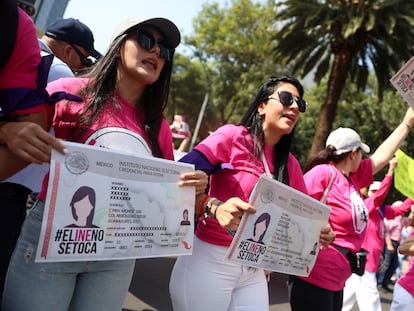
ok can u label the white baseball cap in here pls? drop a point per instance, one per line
(167, 28)
(345, 139)
(374, 186)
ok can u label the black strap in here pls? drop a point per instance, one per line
(343, 250)
(8, 26)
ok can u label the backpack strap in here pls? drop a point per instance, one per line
(8, 26)
(328, 188)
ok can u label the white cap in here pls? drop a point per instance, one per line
(345, 139)
(167, 28)
(374, 186)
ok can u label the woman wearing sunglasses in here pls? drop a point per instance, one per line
(341, 161)
(124, 98)
(235, 156)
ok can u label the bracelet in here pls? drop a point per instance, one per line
(209, 205)
(407, 125)
(219, 203)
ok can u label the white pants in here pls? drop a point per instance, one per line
(205, 281)
(402, 300)
(363, 290)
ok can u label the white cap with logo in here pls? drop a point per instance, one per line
(344, 140)
(375, 186)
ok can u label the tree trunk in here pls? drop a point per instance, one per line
(336, 83)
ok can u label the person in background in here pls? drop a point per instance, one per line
(363, 289)
(23, 186)
(393, 234)
(408, 225)
(181, 132)
(22, 99)
(403, 296)
(235, 156)
(72, 44)
(342, 160)
(126, 90)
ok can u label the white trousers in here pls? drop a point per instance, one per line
(402, 300)
(205, 281)
(363, 290)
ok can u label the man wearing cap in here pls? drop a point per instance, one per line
(72, 43)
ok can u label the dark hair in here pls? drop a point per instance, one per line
(261, 218)
(253, 122)
(80, 194)
(324, 156)
(100, 91)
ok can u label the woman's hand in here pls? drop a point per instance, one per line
(30, 141)
(326, 236)
(229, 213)
(198, 179)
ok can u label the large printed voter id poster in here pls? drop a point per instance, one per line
(283, 234)
(103, 204)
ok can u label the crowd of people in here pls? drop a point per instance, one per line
(51, 90)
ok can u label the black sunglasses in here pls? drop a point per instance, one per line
(287, 99)
(147, 41)
(86, 62)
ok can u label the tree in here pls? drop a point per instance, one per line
(236, 42)
(188, 87)
(345, 38)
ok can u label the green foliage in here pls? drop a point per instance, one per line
(236, 44)
(362, 111)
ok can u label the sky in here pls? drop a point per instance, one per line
(103, 16)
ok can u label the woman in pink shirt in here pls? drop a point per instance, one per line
(124, 98)
(363, 289)
(403, 299)
(342, 160)
(235, 156)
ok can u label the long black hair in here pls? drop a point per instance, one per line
(100, 92)
(253, 122)
(324, 156)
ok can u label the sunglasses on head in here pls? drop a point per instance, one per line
(147, 41)
(86, 62)
(287, 99)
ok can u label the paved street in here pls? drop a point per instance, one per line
(149, 288)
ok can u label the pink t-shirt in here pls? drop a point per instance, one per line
(374, 238)
(20, 71)
(114, 129)
(394, 228)
(21, 68)
(407, 279)
(348, 219)
(375, 233)
(231, 146)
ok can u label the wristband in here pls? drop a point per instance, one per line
(217, 207)
(407, 125)
(209, 205)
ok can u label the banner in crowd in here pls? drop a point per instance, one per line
(283, 234)
(103, 204)
(404, 174)
(403, 81)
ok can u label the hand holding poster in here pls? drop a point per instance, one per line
(103, 204)
(403, 81)
(283, 234)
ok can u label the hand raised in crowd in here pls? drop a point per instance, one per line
(30, 141)
(229, 213)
